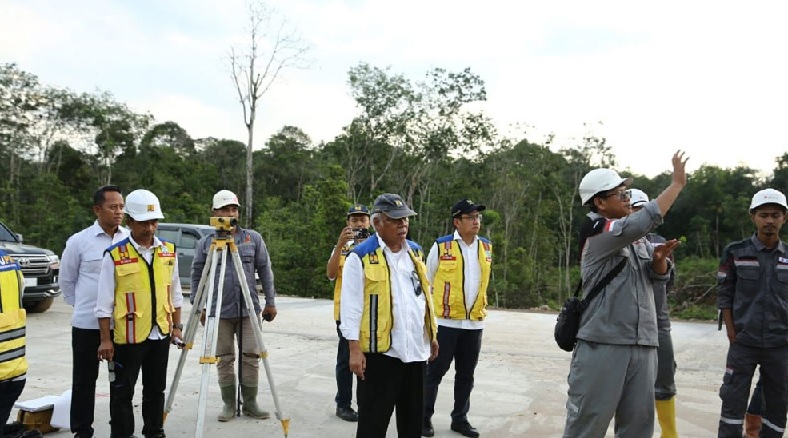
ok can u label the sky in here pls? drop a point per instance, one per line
(707, 77)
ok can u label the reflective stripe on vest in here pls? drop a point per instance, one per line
(448, 291)
(13, 363)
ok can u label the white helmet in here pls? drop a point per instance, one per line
(223, 198)
(142, 205)
(600, 180)
(768, 196)
(637, 197)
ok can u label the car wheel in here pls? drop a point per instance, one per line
(41, 306)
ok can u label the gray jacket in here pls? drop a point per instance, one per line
(623, 313)
(753, 281)
(254, 257)
(661, 289)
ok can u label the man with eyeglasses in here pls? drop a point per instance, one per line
(458, 267)
(389, 322)
(613, 368)
(752, 287)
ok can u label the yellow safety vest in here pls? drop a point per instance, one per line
(448, 289)
(134, 301)
(13, 363)
(338, 282)
(377, 318)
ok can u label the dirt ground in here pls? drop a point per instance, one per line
(520, 380)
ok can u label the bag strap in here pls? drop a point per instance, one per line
(602, 283)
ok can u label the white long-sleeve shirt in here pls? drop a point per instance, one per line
(79, 271)
(472, 279)
(409, 338)
(105, 303)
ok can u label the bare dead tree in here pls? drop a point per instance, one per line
(273, 47)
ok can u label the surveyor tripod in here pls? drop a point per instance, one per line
(221, 244)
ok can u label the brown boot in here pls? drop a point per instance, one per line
(752, 425)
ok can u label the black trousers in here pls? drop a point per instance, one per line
(84, 372)
(735, 389)
(390, 383)
(10, 390)
(151, 357)
(462, 346)
(344, 375)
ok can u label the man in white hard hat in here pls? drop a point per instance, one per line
(752, 295)
(665, 384)
(613, 367)
(140, 291)
(234, 320)
(79, 275)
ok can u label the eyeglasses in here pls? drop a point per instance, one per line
(622, 194)
(414, 279)
(472, 218)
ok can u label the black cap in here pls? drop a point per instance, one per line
(392, 206)
(358, 209)
(465, 206)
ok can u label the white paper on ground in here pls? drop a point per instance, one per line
(38, 404)
(61, 415)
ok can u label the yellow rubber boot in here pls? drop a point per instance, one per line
(666, 414)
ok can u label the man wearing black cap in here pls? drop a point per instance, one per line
(389, 322)
(355, 232)
(458, 267)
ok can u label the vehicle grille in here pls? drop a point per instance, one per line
(32, 264)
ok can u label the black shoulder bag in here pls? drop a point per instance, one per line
(568, 323)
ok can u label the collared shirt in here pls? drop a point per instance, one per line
(752, 281)
(409, 339)
(623, 313)
(105, 304)
(79, 271)
(472, 274)
(254, 258)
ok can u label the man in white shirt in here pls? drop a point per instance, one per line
(79, 274)
(458, 268)
(389, 322)
(139, 290)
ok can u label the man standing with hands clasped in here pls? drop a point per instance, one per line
(79, 275)
(458, 268)
(389, 322)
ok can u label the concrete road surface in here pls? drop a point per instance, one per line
(520, 380)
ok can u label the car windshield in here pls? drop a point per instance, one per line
(6, 235)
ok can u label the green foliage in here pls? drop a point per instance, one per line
(420, 138)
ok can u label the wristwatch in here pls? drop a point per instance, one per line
(178, 326)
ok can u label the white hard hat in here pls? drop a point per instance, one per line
(142, 205)
(637, 197)
(768, 196)
(600, 180)
(223, 198)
